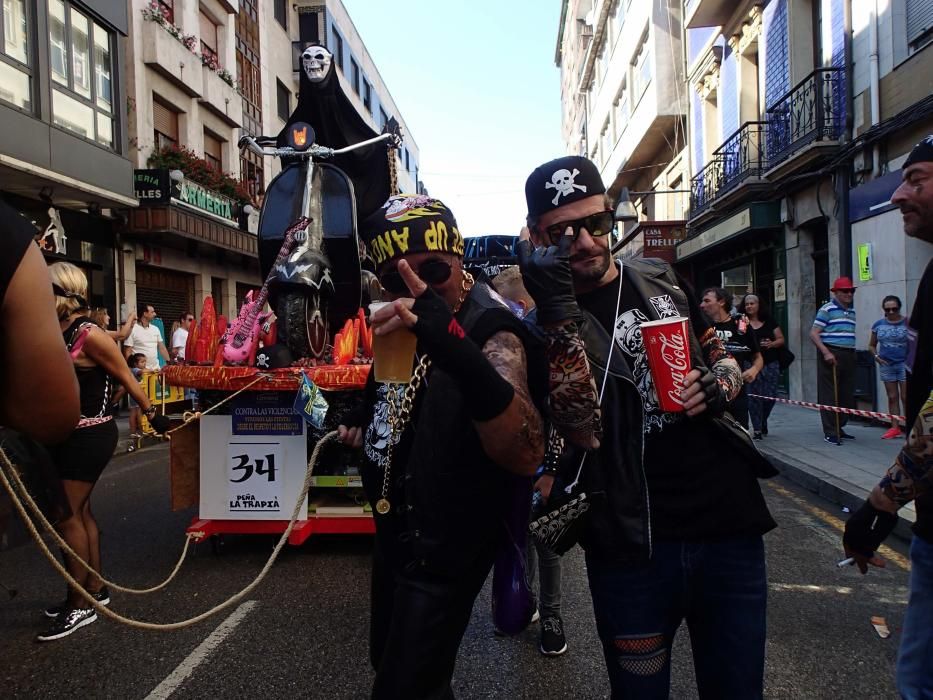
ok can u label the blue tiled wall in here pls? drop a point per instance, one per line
(777, 67)
(728, 93)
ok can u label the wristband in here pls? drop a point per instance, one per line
(867, 528)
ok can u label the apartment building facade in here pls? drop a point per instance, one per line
(801, 113)
(768, 113)
(64, 161)
(625, 105)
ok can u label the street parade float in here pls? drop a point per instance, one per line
(274, 380)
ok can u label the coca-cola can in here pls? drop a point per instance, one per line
(668, 348)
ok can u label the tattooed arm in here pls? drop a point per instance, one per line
(574, 401)
(515, 438)
(721, 363)
(911, 475)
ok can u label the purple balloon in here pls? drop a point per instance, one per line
(513, 602)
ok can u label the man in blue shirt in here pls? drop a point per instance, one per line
(833, 333)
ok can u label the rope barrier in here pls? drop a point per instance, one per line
(6, 464)
(834, 409)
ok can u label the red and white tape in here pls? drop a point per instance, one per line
(833, 409)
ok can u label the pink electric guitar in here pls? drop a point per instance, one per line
(241, 341)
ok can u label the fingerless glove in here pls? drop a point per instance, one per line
(485, 392)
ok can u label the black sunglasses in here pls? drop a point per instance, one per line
(596, 225)
(432, 272)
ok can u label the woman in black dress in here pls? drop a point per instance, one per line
(81, 458)
(770, 340)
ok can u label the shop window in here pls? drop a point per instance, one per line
(15, 62)
(738, 282)
(81, 61)
(208, 36)
(213, 150)
(283, 100)
(165, 125)
(280, 9)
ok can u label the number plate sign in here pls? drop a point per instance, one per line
(249, 477)
(253, 473)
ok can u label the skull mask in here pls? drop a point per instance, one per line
(316, 62)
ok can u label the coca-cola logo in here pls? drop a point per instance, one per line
(673, 353)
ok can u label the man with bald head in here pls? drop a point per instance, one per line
(911, 476)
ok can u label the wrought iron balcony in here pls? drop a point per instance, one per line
(814, 110)
(704, 187)
(742, 155)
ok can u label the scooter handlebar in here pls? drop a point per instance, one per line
(316, 151)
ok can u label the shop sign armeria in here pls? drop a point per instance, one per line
(204, 199)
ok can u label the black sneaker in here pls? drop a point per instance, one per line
(68, 622)
(102, 596)
(832, 440)
(757, 435)
(553, 642)
(845, 436)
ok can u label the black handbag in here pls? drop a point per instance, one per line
(785, 357)
(558, 525)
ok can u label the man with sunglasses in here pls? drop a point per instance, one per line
(693, 550)
(833, 334)
(438, 451)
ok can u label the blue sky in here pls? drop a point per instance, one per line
(477, 85)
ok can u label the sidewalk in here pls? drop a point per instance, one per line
(843, 475)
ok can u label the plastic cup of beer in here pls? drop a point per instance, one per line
(668, 347)
(393, 353)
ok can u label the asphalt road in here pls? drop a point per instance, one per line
(303, 632)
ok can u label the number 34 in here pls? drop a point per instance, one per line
(262, 467)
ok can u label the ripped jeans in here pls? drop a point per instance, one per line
(719, 587)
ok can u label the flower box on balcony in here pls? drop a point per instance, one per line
(221, 98)
(165, 54)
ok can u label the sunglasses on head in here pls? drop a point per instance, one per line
(596, 225)
(432, 272)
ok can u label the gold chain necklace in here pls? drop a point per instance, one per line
(400, 404)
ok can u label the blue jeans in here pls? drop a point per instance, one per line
(718, 587)
(544, 565)
(915, 659)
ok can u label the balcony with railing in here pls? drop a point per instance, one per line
(735, 170)
(807, 122)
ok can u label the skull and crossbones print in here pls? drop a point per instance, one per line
(563, 181)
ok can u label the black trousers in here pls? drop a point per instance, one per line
(417, 622)
(845, 379)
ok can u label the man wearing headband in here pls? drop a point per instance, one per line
(694, 549)
(437, 474)
(911, 476)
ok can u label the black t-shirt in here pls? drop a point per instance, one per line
(695, 491)
(920, 380)
(766, 332)
(737, 335)
(14, 241)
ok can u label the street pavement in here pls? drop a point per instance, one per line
(303, 632)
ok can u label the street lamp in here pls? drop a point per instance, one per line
(625, 210)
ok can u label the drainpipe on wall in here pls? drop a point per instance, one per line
(875, 80)
(842, 172)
